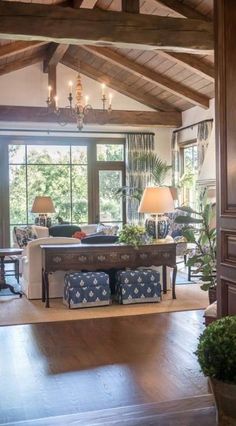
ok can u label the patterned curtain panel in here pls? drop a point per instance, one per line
(175, 160)
(137, 178)
(203, 135)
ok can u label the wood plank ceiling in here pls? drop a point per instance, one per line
(163, 80)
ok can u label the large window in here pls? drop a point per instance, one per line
(81, 180)
(189, 173)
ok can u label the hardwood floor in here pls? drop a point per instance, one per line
(185, 412)
(53, 369)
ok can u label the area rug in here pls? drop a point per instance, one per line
(14, 310)
(182, 276)
(7, 291)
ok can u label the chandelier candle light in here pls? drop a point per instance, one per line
(81, 107)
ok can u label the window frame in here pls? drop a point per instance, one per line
(182, 147)
(93, 167)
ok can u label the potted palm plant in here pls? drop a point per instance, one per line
(148, 161)
(203, 236)
(216, 353)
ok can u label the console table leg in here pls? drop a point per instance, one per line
(46, 289)
(164, 279)
(173, 282)
(43, 286)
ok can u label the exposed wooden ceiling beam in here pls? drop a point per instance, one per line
(29, 21)
(95, 116)
(182, 9)
(162, 81)
(10, 49)
(121, 87)
(54, 55)
(199, 66)
(130, 6)
(52, 82)
(21, 63)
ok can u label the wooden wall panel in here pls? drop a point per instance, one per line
(225, 32)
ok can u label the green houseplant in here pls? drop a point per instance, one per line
(148, 161)
(216, 353)
(203, 236)
(133, 235)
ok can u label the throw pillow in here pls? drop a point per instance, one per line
(107, 229)
(79, 234)
(23, 235)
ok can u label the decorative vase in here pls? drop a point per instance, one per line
(225, 399)
(157, 227)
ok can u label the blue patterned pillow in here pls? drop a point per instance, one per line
(23, 235)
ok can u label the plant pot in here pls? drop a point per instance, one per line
(225, 399)
(212, 295)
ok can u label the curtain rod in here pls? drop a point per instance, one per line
(74, 132)
(192, 125)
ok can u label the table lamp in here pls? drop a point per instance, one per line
(43, 205)
(156, 201)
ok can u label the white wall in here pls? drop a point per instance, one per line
(192, 116)
(28, 87)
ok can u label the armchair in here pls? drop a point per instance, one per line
(32, 268)
(176, 233)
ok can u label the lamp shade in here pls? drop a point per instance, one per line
(156, 200)
(43, 204)
(174, 193)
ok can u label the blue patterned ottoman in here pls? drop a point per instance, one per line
(84, 289)
(138, 286)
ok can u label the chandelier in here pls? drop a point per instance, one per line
(78, 110)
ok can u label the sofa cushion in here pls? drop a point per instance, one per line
(23, 235)
(100, 239)
(64, 230)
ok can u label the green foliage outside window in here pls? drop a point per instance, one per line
(60, 172)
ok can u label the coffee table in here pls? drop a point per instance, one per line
(7, 252)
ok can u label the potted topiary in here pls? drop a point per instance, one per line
(216, 355)
(134, 235)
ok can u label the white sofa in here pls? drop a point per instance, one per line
(32, 268)
(31, 263)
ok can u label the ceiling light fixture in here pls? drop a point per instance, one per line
(81, 107)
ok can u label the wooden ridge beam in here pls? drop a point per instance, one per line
(160, 80)
(95, 116)
(130, 6)
(54, 55)
(21, 63)
(11, 49)
(121, 87)
(193, 63)
(183, 10)
(30, 21)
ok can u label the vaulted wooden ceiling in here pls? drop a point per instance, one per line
(142, 51)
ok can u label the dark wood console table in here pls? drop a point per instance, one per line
(76, 257)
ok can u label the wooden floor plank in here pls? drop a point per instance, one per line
(147, 414)
(71, 367)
